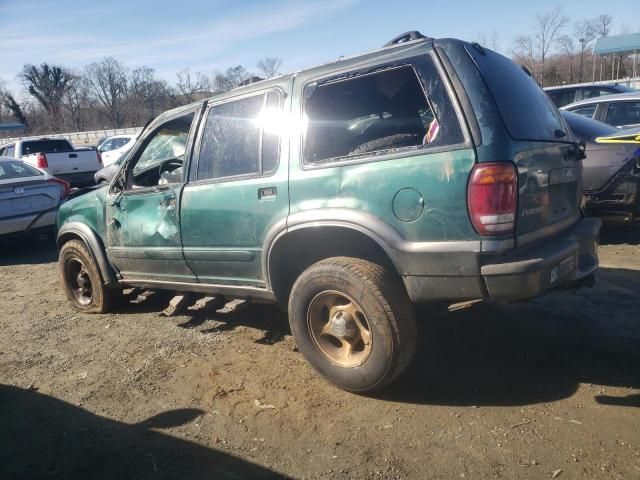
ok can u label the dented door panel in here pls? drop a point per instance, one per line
(143, 235)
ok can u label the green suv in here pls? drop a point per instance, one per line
(428, 170)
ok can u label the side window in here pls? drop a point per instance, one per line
(11, 151)
(623, 113)
(241, 137)
(161, 159)
(375, 113)
(562, 97)
(585, 111)
(107, 146)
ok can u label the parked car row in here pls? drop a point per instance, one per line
(565, 95)
(621, 110)
(37, 175)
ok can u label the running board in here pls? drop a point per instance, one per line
(236, 291)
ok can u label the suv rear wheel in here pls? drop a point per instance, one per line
(81, 280)
(353, 321)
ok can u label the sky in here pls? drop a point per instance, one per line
(209, 36)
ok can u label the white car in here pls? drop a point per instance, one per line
(113, 147)
(29, 198)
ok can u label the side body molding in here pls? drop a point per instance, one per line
(93, 242)
(410, 258)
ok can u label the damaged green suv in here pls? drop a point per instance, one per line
(428, 170)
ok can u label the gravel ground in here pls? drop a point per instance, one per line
(544, 389)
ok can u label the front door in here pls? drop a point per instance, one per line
(237, 191)
(142, 212)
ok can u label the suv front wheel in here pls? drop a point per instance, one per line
(353, 321)
(82, 282)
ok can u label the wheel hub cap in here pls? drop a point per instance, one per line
(339, 328)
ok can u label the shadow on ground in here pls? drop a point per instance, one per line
(28, 251)
(530, 352)
(43, 437)
(619, 234)
(517, 354)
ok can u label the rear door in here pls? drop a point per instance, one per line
(623, 114)
(238, 188)
(542, 146)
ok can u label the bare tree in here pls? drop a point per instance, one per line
(231, 78)
(494, 41)
(585, 32)
(523, 52)
(548, 26)
(188, 85)
(602, 25)
(108, 84)
(148, 91)
(270, 66)
(47, 84)
(10, 103)
(569, 48)
(75, 101)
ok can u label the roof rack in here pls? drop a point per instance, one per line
(407, 37)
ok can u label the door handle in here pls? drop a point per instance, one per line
(267, 192)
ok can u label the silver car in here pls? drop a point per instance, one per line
(621, 110)
(29, 198)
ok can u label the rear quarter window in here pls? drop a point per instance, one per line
(527, 111)
(366, 113)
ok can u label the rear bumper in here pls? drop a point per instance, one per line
(563, 261)
(26, 224)
(566, 260)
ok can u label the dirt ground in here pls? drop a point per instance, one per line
(545, 389)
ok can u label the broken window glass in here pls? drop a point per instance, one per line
(370, 113)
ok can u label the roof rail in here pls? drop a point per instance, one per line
(250, 80)
(406, 37)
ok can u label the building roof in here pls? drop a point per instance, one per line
(11, 126)
(622, 44)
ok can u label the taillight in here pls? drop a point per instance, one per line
(66, 188)
(41, 160)
(492, 198)
(99, 157)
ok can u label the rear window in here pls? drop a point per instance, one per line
(45, 146)
(17, 169)
(527, 111)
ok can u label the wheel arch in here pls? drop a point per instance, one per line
(298, 247)
(84, 233)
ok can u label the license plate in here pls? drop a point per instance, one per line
(560, 270)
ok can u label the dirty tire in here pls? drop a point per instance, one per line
(382, 300)
(74, 255)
